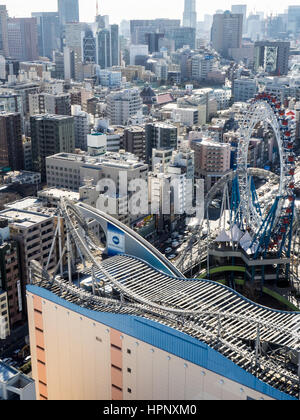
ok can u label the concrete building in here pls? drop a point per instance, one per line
(66, 170)
(14, 385)
(161, 159)
(50, 134)
(81, 127)
(272, 57)
(226, 32)
(186, 116)
(10, 278)
(4, 315)
(47, 103)
(160, 135)
(212, 160)
(135, 141)
(111, 79)
(202, 65)
(23, 39)
(140, 50)
(244, 89)
(11, 146)
(33, 231)
(10, 102)
(122, 105)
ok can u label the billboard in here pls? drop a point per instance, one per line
(115, 240)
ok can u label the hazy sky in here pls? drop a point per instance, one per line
(142, 9)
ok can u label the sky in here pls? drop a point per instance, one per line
(143, 9)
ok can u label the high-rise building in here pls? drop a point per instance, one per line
(68, 11)
(3, 31)
(48, 33)
(139, 28)
(241, 9)
(226, 32)
(294, 18)
(108, 47)
(23, 39)
(182, 37)
(50, 134)
(189, 14)
(89, 49)
(272, 57)
(11, 149)
(115, 45)
(104, 48)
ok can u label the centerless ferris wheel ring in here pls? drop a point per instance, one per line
(267, 109)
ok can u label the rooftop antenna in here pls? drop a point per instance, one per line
(97, 7)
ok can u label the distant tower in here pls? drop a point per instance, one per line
(189, 14)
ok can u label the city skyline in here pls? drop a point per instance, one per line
(133, 9)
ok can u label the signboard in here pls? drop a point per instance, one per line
(115, 240)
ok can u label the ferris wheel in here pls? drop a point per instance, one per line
(269, 230)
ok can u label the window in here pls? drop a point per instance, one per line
(129, 390)
(128, 351)
(129, 370)
(116, 347)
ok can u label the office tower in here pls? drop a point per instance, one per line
(272, 57)
(139, 28)
(73, 41)
(68, 11)
(294, 19)
(182, 37)
(226, 32)
(160, 135)
(102, 21)
(89, 48)
(48, 33)
(137, 51)
(241, 9)
(115, 45)
(10, 274)
(11, 149)
(255, 27)
(189, 14)
(104, 48)
(122, 105)
(50, 134)
(59, 71)
(3, 31)
(23, 39)
(153, 41)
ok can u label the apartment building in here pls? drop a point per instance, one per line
(33, 230)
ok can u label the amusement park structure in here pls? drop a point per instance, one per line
(127, 281)
(252, 242)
